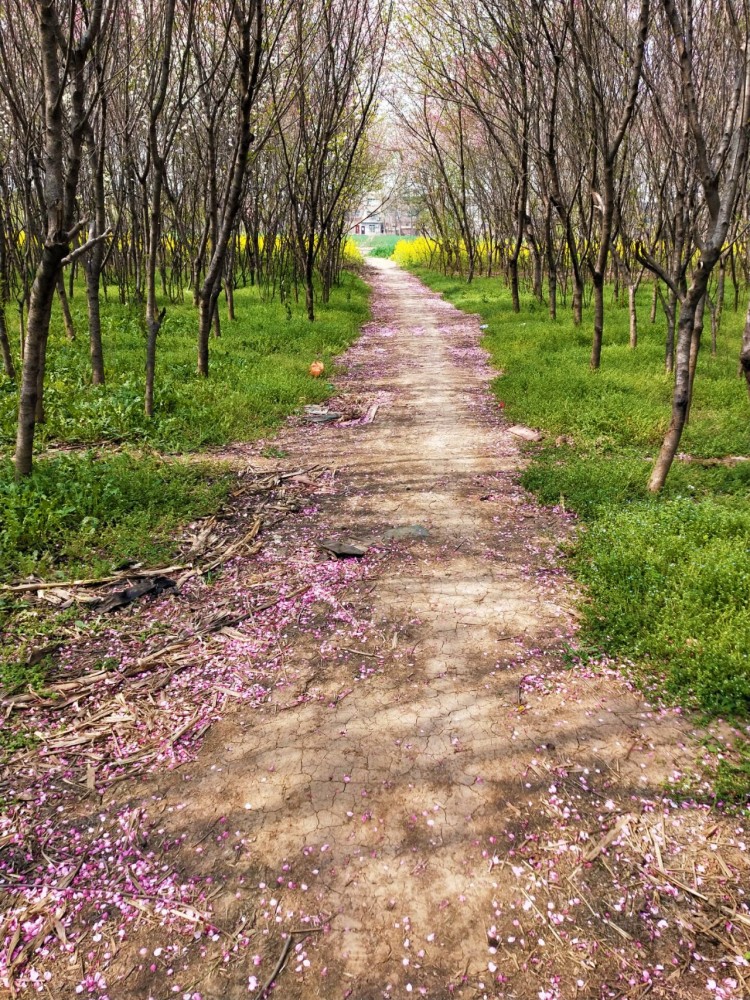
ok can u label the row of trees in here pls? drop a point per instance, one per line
(175, 145)
(592, 139)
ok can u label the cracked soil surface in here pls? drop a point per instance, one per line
(438, 804)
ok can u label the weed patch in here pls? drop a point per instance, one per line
(80, 514)
(259, 372)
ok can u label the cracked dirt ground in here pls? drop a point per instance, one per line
(470, 817)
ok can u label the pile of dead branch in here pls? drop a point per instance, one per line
(262, 498)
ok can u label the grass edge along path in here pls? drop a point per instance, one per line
(82, 510)
(666, 577)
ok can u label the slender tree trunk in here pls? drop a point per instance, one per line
(93, 266)
(154, 318)
(745, 350)
(93, 271)
(229, 293)
(633, 316)
(538, 282)
(695, 346)
(252, 35)
(654, 300)
(671, 313)
(681, 394)
(551, 261)
(70, 330)
(596, 344)
(22, 327)
(719, 307)
(37, 328)
(577, 300)
(600, 268)
(8, 366)
(309, 287)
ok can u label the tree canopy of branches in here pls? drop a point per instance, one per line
(170, 145)
(587, 142)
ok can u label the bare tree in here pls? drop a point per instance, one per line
(63, 56)
(720, 171)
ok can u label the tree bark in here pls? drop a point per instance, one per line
(633, 340)
(252, 32)
(745, 350)
(95, 261)
(695, 346)
(8, 366)
(37, 328)
(607, 207)
(70, 330)
(681, 394)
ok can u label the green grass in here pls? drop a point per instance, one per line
(85, 513)
(82, 512)
(381, 245)
(259, 372)
(667, 577)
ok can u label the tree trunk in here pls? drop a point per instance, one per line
(681, 394)
(671, 313)
(633, 317)
(93, 271)
(577, 301)
(229, 295)
(513, 273)
(607, 206)
(95, 262)
(37, 328)
(654, 300)
(207, 311)
(152, 335)
(695, 346)
(8, 365)
(70, 330)
(538, 285)
(596, 344)
(551, 262)
(745, 350)
(309, 288)
(719, 307)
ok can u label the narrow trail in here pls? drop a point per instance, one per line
(439, 805)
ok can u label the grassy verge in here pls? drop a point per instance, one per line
(381, 245)
(259, 372)
(83, 514)
(80, 513)
(667, 577)
(87, 515)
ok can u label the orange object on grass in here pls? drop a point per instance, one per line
(316, 369)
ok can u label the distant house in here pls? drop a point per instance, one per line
(368, 219)
(379, 214)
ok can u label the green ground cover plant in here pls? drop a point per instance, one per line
(86, 513)
(667, 577)
(381, 245)
(259, 372)
(85, 510)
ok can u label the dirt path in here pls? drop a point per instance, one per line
(434, 802)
